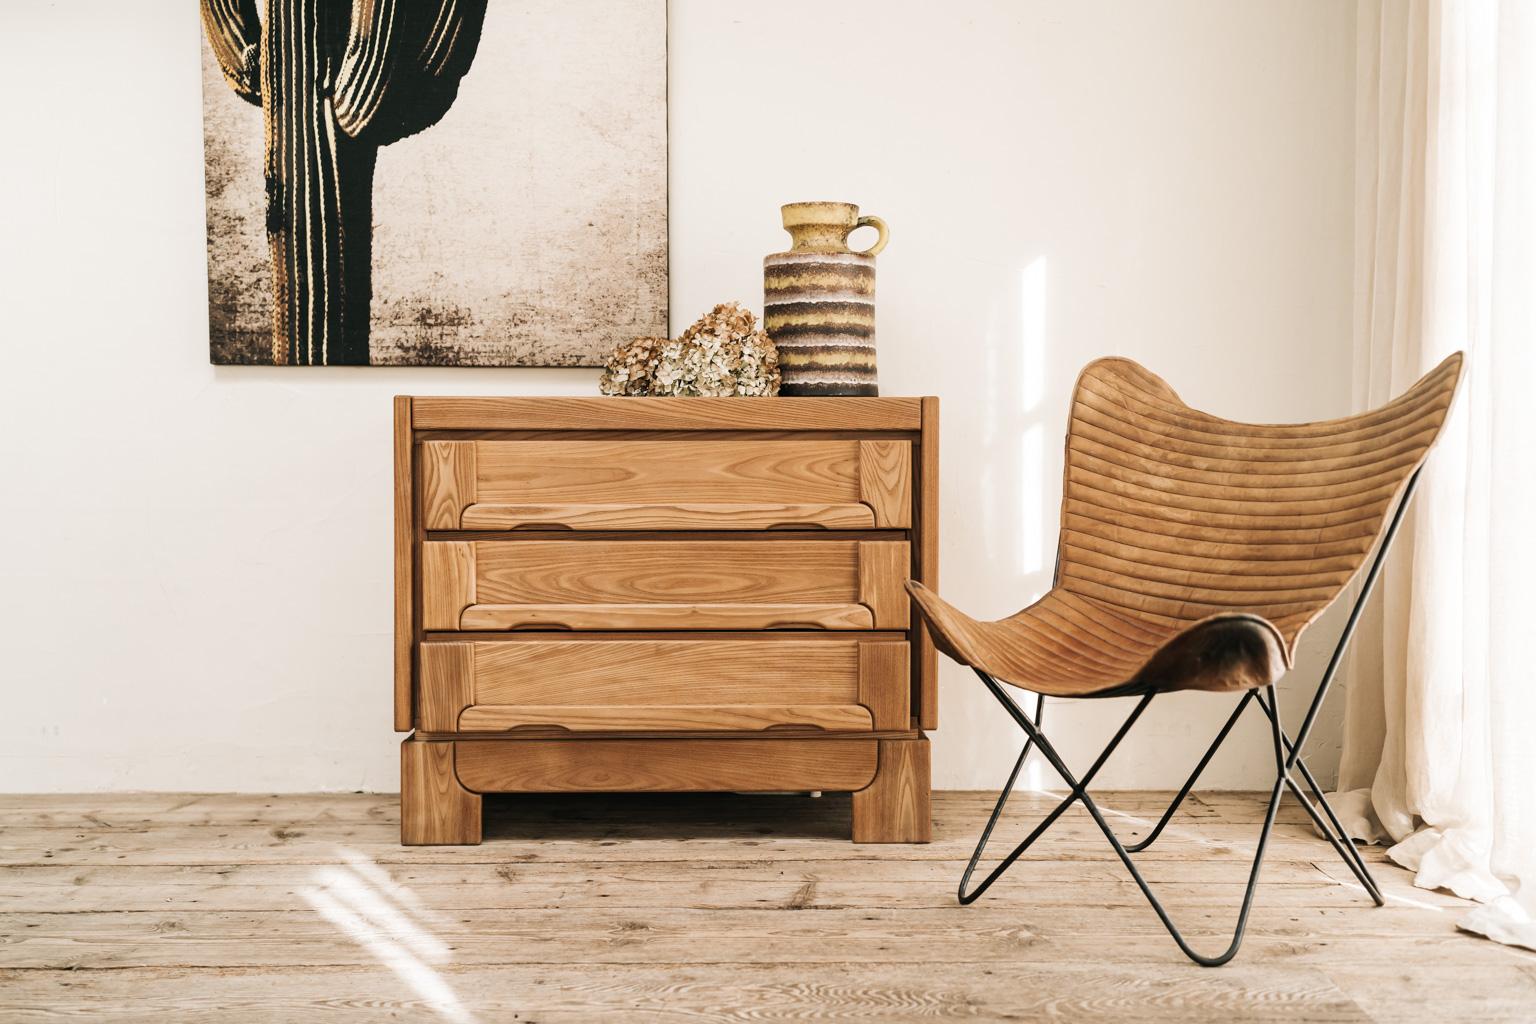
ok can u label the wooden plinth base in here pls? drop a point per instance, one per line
(895, 807)
(435, 810)
(441, 781)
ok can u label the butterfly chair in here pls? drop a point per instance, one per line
(1194, 552)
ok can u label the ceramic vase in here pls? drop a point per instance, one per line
(819, 301)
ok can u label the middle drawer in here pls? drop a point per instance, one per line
(671, 684)
(664, 584)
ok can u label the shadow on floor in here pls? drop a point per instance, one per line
(631, 816)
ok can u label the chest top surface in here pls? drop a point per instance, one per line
(602, 413)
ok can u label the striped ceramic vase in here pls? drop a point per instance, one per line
(819, 302)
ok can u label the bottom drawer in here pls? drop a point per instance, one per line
(597, 685)
(665, 766)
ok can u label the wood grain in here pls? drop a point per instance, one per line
(1226, 826)
(673, 516)
(559, 572)
(885, 481)
(697, 684)
(650, 716)
(821, 991)
(926, 563)
(448, 580)
(666, 616)
(649, 584)
(405, 587)
(434, 808)
(883, 683)
(883, 567)
(447, 684)
(449, 482)
(683, 515)
(649, 414)
(653, 907)
(895, 807)
(691, 940)
(668, 670)
(639, 470)
(678, 766)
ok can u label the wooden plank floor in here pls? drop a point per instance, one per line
(249, 908)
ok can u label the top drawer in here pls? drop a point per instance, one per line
(666, 484)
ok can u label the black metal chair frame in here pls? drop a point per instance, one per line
(1288, 759)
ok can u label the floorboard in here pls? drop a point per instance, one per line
(158, 907)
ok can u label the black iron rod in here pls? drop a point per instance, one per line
(1034, 735)
(1193, 777)
(1079, 791)
(1335, 834)
(1353, 620)
(997, 811)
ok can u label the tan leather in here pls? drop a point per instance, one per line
(1195, 550)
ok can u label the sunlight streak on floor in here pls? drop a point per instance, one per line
(363, 902)
(1390, 897)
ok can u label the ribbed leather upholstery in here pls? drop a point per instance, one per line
(1195, 550)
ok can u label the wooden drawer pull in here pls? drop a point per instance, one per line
(695, 515)
(666, 616)
(661, 717)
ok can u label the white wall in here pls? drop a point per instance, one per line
(196, 572)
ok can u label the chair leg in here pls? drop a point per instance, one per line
(997, 811)
(1079, 792)
(1332, 829)
(1194, 776)
(1287, 758)
(1034, 739)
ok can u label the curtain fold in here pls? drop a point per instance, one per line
(1438, 758)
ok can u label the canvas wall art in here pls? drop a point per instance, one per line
(434, 182)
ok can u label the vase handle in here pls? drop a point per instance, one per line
(878, 225)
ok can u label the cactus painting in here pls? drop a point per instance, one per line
(523, 222)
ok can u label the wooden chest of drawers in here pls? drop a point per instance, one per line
(676, 594)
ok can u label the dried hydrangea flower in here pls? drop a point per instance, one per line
(724, 353)
(629, 368)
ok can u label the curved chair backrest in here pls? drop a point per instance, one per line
(1175, 515)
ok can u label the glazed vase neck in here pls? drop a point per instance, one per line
(825, 227)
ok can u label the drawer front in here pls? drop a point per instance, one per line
(665, 765)
(666, 485)
(591, 685)
(664, 584)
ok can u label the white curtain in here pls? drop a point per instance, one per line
(1440, 755)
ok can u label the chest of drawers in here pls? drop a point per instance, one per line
(663, 594)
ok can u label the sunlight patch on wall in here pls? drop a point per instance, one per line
(1031, 391)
